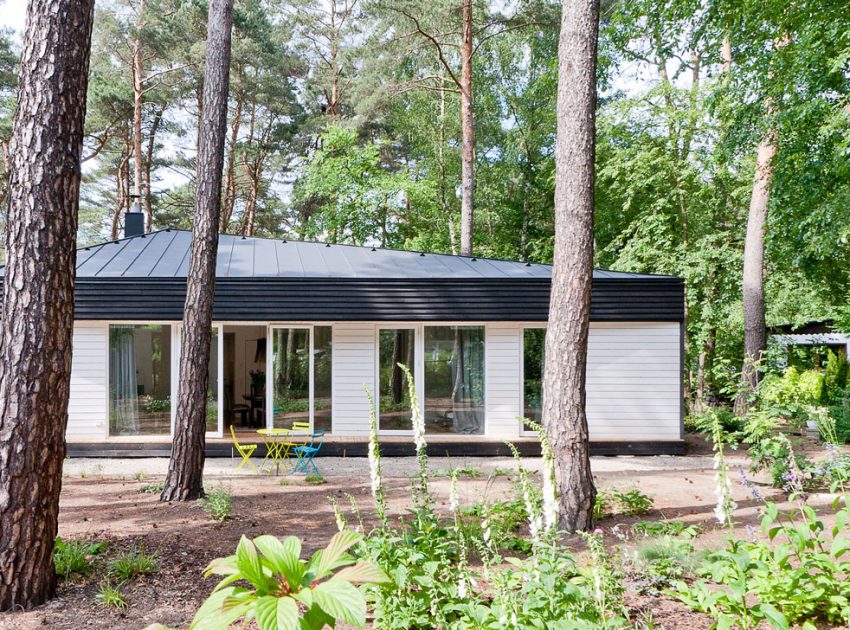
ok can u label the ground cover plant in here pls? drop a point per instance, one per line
(218, 503)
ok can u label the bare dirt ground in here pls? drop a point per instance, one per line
(101, 501)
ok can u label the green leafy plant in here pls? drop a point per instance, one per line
(132, 563)
(285, 592)
(74, 556)
(626, 502)
(218, 503)
(152, 488)
(110, 596)
(652, 529)
(315, 480)
(661, 562)
(465, 471)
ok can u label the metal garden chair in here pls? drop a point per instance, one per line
(245, 450)
(307, 452)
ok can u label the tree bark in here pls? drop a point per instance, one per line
(185, 469)
(467, 168)
(564, 393)
(755, 330)
(230, 182)
(157, 121)
(38, 301)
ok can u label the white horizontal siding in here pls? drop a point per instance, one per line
(634, 381)
(502, 388)
(87, 404)
(353, 367)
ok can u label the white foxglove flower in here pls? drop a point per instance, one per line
(461, 588)
(453, 498)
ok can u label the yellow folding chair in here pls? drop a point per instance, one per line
(245, 450)
(287, 446)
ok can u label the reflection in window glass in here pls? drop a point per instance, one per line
(291, 376)
(139, 379)
(454, 379)
(212, 387)
(533, 345)
(395, 345)
(322, 373)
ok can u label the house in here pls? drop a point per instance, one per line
(302, 329)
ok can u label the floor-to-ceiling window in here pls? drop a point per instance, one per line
(301, 379)
(533, 344)
(454, 379)
(212, 387)
(139, 379)
(395, 346)
(322, 377)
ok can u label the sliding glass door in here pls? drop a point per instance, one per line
(396, 346)
(300, 368)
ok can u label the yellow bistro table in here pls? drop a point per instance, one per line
(277, 447)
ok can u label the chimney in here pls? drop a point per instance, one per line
(134, 221)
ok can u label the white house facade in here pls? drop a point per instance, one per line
(308, 331)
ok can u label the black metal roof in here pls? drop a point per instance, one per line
(165, 254)
(144, 278)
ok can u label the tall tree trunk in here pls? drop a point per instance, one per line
(157, 121)
(230, 182)
(185, 469)
(467, 168)
(755, 331)
(138, 95)
(572, 271)
(38, 298)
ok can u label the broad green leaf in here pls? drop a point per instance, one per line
(277, 613)
(250, 565)
(330, 555)
(281, 559)
(213, 614)
(222, 566)
(361, 573)
(342, 601)
(776, 618)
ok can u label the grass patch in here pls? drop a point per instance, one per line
(152, 488)
(74, 556)
(625, 502)
(315, 480)
(110, 596)
(132, 563)
(466, 471)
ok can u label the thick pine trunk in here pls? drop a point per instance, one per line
(569, 309)
(38, 299)
(185, 470)
(467, 157)
(755, 332)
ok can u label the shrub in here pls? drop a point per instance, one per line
(660, 563)
(218, 504)
(131, 563)
(285, 591)
(110, 596)
(315, 480)
(74, 556)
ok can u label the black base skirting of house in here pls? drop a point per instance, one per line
(460, 448)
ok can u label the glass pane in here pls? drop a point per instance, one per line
(322, 364)
(454, 379)
(291, 376)
(533, 344)
(395, 345)
(212, 388)
(139, 380)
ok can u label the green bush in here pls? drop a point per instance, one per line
(74, 556)
(283, 590)
(218, 503)
(132, 563)
(628, 502)
(152, 488)
(661, 563)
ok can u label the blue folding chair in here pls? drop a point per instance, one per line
(306, 453)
